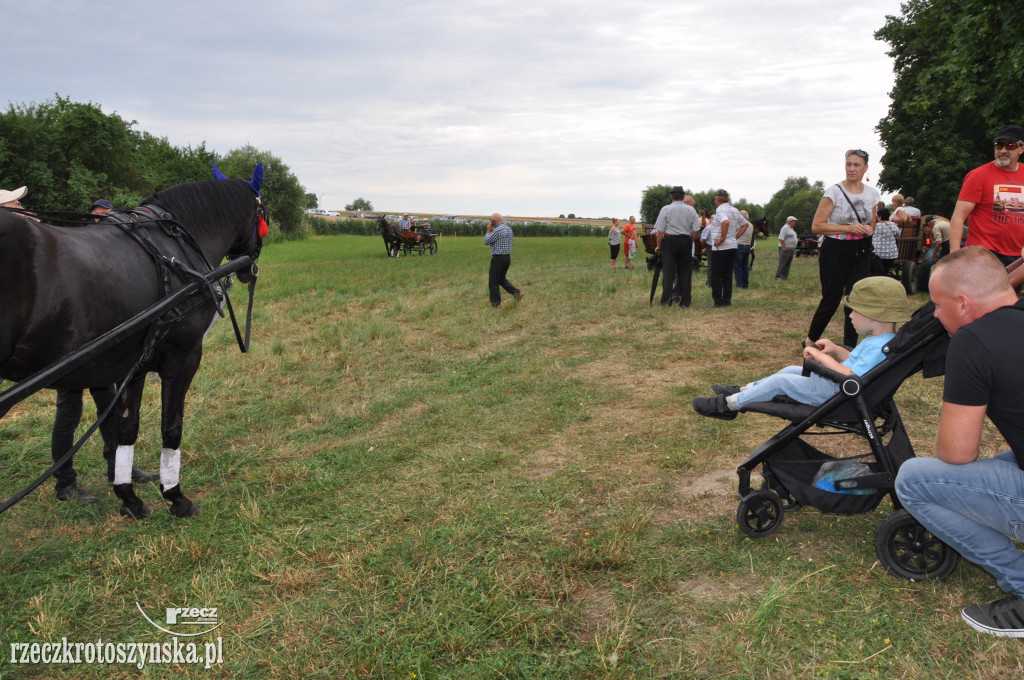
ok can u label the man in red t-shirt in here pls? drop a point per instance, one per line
(992, 201)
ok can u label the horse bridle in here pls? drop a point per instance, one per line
(255, 245)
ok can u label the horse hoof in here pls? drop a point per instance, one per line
(184, 508)
(138, 513)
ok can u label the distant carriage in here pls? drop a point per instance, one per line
(396, 242)
(911, 244)
(806, 245)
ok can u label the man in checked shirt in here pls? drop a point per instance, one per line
(499, 238)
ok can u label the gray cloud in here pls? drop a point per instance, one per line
(529, 108)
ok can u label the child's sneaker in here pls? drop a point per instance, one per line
(713, 407)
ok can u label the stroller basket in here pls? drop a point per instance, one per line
(795, 467)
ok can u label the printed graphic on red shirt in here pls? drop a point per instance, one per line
(1008, 198)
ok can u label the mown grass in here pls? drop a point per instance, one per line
(401, 482)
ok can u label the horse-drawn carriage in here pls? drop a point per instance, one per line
(649, 237)
(910, 246)
(806, 245)
(397, 241)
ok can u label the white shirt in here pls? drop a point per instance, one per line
(787, 235)
(677, 219)
(723, 213)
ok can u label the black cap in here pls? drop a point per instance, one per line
(678, 190)
(1011, 133)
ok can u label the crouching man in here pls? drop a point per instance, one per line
(977, 506)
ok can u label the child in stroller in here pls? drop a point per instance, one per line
(878, 303)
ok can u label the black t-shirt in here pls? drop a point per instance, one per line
(985, 367)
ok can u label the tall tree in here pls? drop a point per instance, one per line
(359, 204)
(284, 197)
(652, 200)
(797, 197)
(958, 66)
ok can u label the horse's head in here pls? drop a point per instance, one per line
(250, 242)
(226, 218)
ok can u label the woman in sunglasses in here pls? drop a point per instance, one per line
(846, 218)
(992, 201)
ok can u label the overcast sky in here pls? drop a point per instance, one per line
(467, 106)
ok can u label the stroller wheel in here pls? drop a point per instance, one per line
(760, 513)
(910, 551)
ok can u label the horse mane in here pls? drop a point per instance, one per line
(209, 201)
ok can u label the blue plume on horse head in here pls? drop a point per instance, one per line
(257, 178)
(255, 183)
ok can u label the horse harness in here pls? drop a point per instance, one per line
(134, 221)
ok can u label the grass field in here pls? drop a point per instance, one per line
(401, 482)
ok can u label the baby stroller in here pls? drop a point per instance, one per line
(863, 408)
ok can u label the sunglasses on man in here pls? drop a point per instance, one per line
(1010, 146)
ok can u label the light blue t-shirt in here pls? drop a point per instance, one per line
(868, 353)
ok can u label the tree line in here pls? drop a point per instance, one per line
(69, 154)
(797, 197)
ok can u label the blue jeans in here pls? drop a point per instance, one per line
(975, 508)
(741, 268)
(813, 389)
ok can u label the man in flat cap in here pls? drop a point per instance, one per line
(992, 201)
(674, 228)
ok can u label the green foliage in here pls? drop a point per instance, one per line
(359, 205)
(656, 197)
(312, 202)
(705, 200)
(797, 197)
(572, 216)
(958, 76)
(282, 194)
(652, 200)
(69, 154)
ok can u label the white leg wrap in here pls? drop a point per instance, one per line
(170, 466)
(124, 458)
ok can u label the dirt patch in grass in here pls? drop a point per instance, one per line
(714, 483)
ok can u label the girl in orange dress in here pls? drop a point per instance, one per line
(629, 239)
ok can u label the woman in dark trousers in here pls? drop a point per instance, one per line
(846, 217)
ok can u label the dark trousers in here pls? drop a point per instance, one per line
(741, 268)
(840, 265)
(496, 278)
(722, 262)
(882, 266)
(69, 414)
(785, 260)
(676, 256)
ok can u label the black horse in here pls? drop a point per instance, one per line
(66, 286)
(392, 237)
